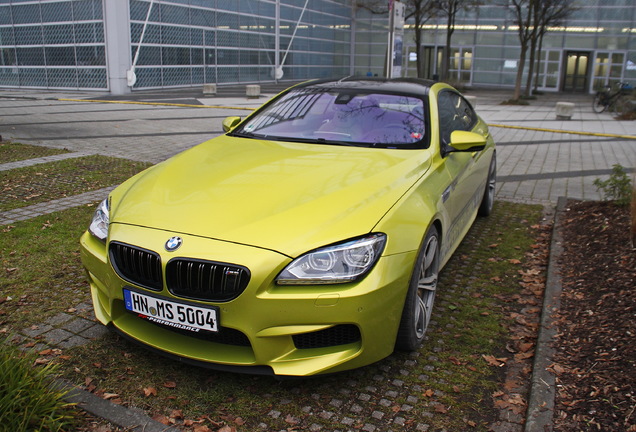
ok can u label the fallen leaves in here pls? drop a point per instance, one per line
(150, 391)
(493, 361)
(440, 408)
(162, 419)
(513, 402)
(594, 366)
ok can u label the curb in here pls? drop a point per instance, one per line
(543, 382)
(127, 418)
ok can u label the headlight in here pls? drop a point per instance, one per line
(341, 263)
(99, 224)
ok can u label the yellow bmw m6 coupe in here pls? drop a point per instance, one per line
(307, 239)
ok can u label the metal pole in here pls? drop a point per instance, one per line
(132, 77)
(277, 67)
(295, 30)
(389, 53)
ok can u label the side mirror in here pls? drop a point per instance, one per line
(230, 123)
(464, 141)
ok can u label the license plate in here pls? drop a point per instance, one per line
(179, 315)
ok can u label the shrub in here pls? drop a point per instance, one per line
(617, 187)
(27, 400)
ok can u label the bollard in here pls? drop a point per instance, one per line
(209, 89)
(564, 110)
(253, 91)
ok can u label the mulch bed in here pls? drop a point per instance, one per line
(595, 362)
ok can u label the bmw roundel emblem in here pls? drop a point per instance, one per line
(173, 244)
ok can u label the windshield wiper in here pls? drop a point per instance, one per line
(242, 135)
(317, 141)
(299, 140)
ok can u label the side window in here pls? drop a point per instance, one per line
(455, 113)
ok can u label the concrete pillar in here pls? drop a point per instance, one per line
(118, 50)
(564, 110)
(253, 91)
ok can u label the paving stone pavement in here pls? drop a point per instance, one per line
(537, 160)
(35, 210)
(42, 160)
(69, 329)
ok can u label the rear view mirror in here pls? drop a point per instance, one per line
(464, 141)
(230, 123)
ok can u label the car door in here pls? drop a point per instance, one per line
(461, 196)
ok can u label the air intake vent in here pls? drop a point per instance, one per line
(205, 280)
(138, 266)
(225, 336)
(337, 335)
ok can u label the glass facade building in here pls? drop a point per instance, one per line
(92, 44)
(52, 44)
(595, 46)
(80, 44)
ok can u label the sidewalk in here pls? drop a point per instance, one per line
(539, 157)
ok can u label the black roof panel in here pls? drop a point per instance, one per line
(413, 86)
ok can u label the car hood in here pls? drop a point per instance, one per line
(286, 197)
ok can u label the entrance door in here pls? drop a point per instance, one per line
(576, 71)
(431, 61)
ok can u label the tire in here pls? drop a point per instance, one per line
(487, 202)
(599, 105)
(614, 107)
(418, 306)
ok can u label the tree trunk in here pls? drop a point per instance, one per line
(418, 49)
(522, 63)
(536, 80)
(533, 19)
(533, 48)
(446, 66)
(452, 11)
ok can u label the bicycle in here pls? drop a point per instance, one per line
(615, 102)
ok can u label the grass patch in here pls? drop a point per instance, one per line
(45, 182)
(519, 101)
(13, 152)
(446, 384)
(27, 402)
(41, 270)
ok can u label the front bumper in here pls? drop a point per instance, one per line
(293, 330)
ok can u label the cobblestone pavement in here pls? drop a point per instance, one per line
(402, 392)
(66, 330)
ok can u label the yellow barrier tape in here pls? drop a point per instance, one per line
(156, 104)
(596, 134)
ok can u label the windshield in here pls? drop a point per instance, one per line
(348, 117)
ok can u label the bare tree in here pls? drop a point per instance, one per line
(551, 13)
(533, 18)
(523, 12)
(535, 6)
(449, 10)
(421, 11)
(374, 6)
